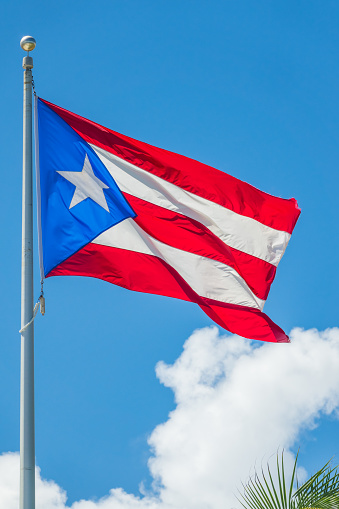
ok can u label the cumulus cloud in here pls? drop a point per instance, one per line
(49, 494)
(237, 403)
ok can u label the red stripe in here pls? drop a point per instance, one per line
(198, 178)
(189, 235)
(149, 274)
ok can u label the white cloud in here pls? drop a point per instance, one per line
(237, 403)
(49, 494)
(235, 406)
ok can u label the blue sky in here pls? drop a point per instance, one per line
(250, 88)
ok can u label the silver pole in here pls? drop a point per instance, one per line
(27, 434)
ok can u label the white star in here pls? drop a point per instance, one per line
(87, 185)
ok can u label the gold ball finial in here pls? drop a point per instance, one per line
(28, 43)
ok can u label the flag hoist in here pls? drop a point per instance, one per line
(27, 435)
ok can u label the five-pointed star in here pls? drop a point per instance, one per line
(87, 185)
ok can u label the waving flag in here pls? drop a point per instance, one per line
(153, 221)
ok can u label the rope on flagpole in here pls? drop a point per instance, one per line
(35, 310)
(39, 303)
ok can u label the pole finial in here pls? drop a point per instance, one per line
(28, 43)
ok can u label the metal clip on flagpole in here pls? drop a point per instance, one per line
(27, 434)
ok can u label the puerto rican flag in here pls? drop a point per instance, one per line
(153, 221)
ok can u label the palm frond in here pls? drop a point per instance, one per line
(261, 492)
(321, 491)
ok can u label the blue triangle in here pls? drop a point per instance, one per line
(65, 230)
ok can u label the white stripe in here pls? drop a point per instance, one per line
(208, 278)
(237, 231)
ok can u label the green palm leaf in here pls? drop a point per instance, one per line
(321, 491)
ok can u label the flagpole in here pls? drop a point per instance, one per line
(27, 434)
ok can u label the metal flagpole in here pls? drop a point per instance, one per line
(27, 435)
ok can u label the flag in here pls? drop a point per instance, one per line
(153, 221)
